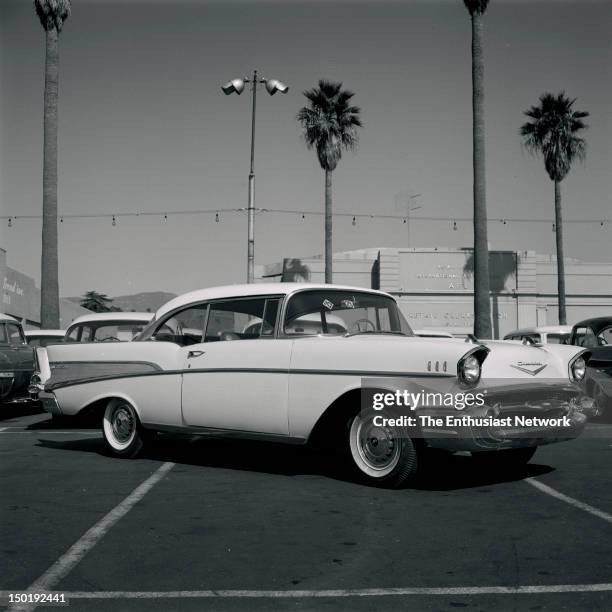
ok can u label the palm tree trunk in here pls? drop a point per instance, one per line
(328, 226)
(49, 296)
(482, 304)
(560, 259)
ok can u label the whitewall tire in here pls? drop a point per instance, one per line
(383, 456)
(121, 429)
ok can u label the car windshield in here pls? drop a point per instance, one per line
(337, 312)
(107, 331)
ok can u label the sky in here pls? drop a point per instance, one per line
(145, 127)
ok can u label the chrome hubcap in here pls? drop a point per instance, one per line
(377, 445)
(122, 423)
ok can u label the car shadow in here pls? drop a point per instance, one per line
(11, 411)
(65, 423)
(449, 473)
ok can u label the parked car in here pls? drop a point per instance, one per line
(596, 335)
(107, 327)
(432, 333)
(16, 362)
(44, 337)
(545, 334)
(202, 367)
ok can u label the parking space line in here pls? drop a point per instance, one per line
(88, 432)
(85, 543)
(336, 593)
(569, 500)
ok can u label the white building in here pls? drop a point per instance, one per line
(434, 286)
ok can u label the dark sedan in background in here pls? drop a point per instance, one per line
(596, 335)
(16, 362)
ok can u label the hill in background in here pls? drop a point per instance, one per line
(139, 302)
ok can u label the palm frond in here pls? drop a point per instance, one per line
(329, 123)
(52, 13)
(476, 6)
(553, 133)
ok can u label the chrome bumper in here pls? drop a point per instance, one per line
(49, 402)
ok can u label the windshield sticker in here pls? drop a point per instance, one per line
(328, 304)
(348, 303)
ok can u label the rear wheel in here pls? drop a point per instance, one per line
(121, 429)
(383, 456)
(507, 458)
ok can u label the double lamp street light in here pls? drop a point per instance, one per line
(237, 86)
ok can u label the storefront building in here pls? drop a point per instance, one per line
(21, 298)
(434, 286)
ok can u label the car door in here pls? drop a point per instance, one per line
(237, 378)
(17, 362)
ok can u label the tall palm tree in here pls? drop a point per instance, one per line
(330, 126)
(482, 304)
(553, 133)
(52, 15)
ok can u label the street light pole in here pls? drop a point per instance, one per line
(251, 209)
(237, 86)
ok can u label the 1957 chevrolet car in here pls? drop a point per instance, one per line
(293, 362)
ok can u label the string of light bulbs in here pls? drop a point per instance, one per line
(217, 212)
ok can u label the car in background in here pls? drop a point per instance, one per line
(44, 337)
(432, 333)
(545, 334)
(596, 336)
(298, 363)
(17, 362)
(107, 327)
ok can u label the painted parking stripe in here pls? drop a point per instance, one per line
(83, 545)
(39, 432)
(569, 500)
(336, 593)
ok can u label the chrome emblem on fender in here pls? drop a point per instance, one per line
(531, 367)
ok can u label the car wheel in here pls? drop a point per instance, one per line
(121, 429)
(507, 458)
(383, 456)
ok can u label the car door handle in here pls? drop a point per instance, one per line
(192, 354)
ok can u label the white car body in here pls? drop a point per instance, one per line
(281, 386)
(43, 337)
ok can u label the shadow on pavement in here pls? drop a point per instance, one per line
(12, 411)
(448, 473)
(64, 423)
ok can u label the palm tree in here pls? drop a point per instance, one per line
(52, 15)
(553, 133)
(330, 126)
(482, 304)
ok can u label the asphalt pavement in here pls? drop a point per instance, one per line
(207, 524)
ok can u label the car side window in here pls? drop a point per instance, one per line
(184, 327)
(585, 337)
(239, 319)
(604, 337)
(15, 335)
(3, 336)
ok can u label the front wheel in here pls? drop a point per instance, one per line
(384, 456)
(121, 429)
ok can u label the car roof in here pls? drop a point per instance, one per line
(597, 323)
(143, 317)
(545, 329)
(248, 290)
(5, 317)
(44, 332)
(434, 333)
